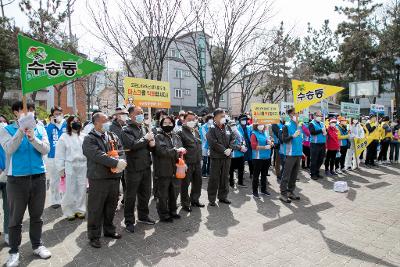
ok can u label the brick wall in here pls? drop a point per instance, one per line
(80, 99)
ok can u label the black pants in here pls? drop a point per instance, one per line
(394, 151)
(138, 184)
(193, 176)
(339, 162)
(23, 192)
(384, 150)
(251, 167)
(277, 161)
(205, 169)
(290, 172)
(371, 153)
(168, 189)
(330, 160)
(236, 164)
(305, 163)
(261, 166)
(317, 155)
(219, 179)
(102, 203)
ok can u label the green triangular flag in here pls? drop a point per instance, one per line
(42, 65)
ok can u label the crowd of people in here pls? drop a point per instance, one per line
(83, 164)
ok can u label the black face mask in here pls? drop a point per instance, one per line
(167, 129)
(76, 125)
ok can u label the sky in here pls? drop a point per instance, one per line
(295, 14)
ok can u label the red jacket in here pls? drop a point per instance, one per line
(332, 139)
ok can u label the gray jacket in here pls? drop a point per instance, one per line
(116, 128)
(99, 164)
(192, 142)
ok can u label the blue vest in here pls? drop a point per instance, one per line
(262, 139)
(319, 138)
(295, 146)
(53, 133)
(239, 140)
(305, 137)
(203, 133)
(343, 142)
(26, 160)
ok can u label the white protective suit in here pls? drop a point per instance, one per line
(356, 131)
(70, 159)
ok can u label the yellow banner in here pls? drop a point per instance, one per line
(306, 94)
(362, 143)
(263, 113)
(147, 93)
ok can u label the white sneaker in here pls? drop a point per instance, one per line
(13, 260)
(42, 252)
(6, 239)
(339, 171)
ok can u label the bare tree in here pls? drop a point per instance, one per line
(141, 33)
(227, 28)
(3, 4)
(249, 83)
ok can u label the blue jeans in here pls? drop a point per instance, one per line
(205, 169)
(3, 189)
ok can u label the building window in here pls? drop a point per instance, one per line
(179, 74)
(175, 53)
(178, 93)
(187, 73)
(186, 92)
(222, 98)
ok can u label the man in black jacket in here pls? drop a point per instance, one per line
(191, 141)
(140, 142)
(221, 142)
(104, 173)
(121, 116)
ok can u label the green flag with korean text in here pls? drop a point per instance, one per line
(42, 65)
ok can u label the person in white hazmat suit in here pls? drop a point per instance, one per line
(71, 162)
(355, 131)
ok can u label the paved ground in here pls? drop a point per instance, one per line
(358, 228)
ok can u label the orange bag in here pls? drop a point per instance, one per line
(181, 168)
(113, 153)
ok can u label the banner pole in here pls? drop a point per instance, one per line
(355, 154)
(24, 104)
(149, 111)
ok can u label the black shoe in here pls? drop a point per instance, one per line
(56, 206)
(130, 228)
(256, 195)
(293, 196)
(175, 216)
(167, 220)
(225, 201)
(113, 236)
(147, 221)
(265, 193)
(187, 209)
(242, 185)
(314, 177)
(198, 204)
(212, 204)
(333, 173)
(278, 180)
(285, 199)
(95, 243)
(319, 176)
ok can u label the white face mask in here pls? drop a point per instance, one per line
(333, 124)
(260, 127)
(222, 120)
(105, 127)
(123, 117)
(243, 122)
(210, 121)
(191, 124)
(318, 119)
(355, 121)
(294, 118)
(3, 124)
(234, 128)
(59, 118)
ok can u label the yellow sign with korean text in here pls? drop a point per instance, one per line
(263, 113)
(306, 94)
(147, 93)
(362, 143)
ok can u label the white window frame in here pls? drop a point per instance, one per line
(187, 73)
(179, 76)
(186, 92)
(178, 93)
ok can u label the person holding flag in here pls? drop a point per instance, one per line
(318, 144)
(343, 135)
(356, 130)
(26, 179)
(56, 127)
(372, 127)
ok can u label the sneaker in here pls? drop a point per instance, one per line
(255, 195)
(6, 239)
(338, 171)
(147, 221)
(130, 228)
(71, 218)
(349, 168)
(293, 196)
(80, 215)
(333, 173)
(285, 199)
(13, 260)
(42, 252)
(265, 193)
(95, 243)
(327, 173)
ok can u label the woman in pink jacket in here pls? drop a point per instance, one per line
(332, 147)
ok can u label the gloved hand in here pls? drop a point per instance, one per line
(243, 149)
(181, 150)
(121, 164)
(149, 136)
(228, 152)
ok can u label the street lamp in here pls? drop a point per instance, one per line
(397, 88)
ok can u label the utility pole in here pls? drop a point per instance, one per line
(71, 40)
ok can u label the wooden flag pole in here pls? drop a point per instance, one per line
(149, 111)
(24, 104)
